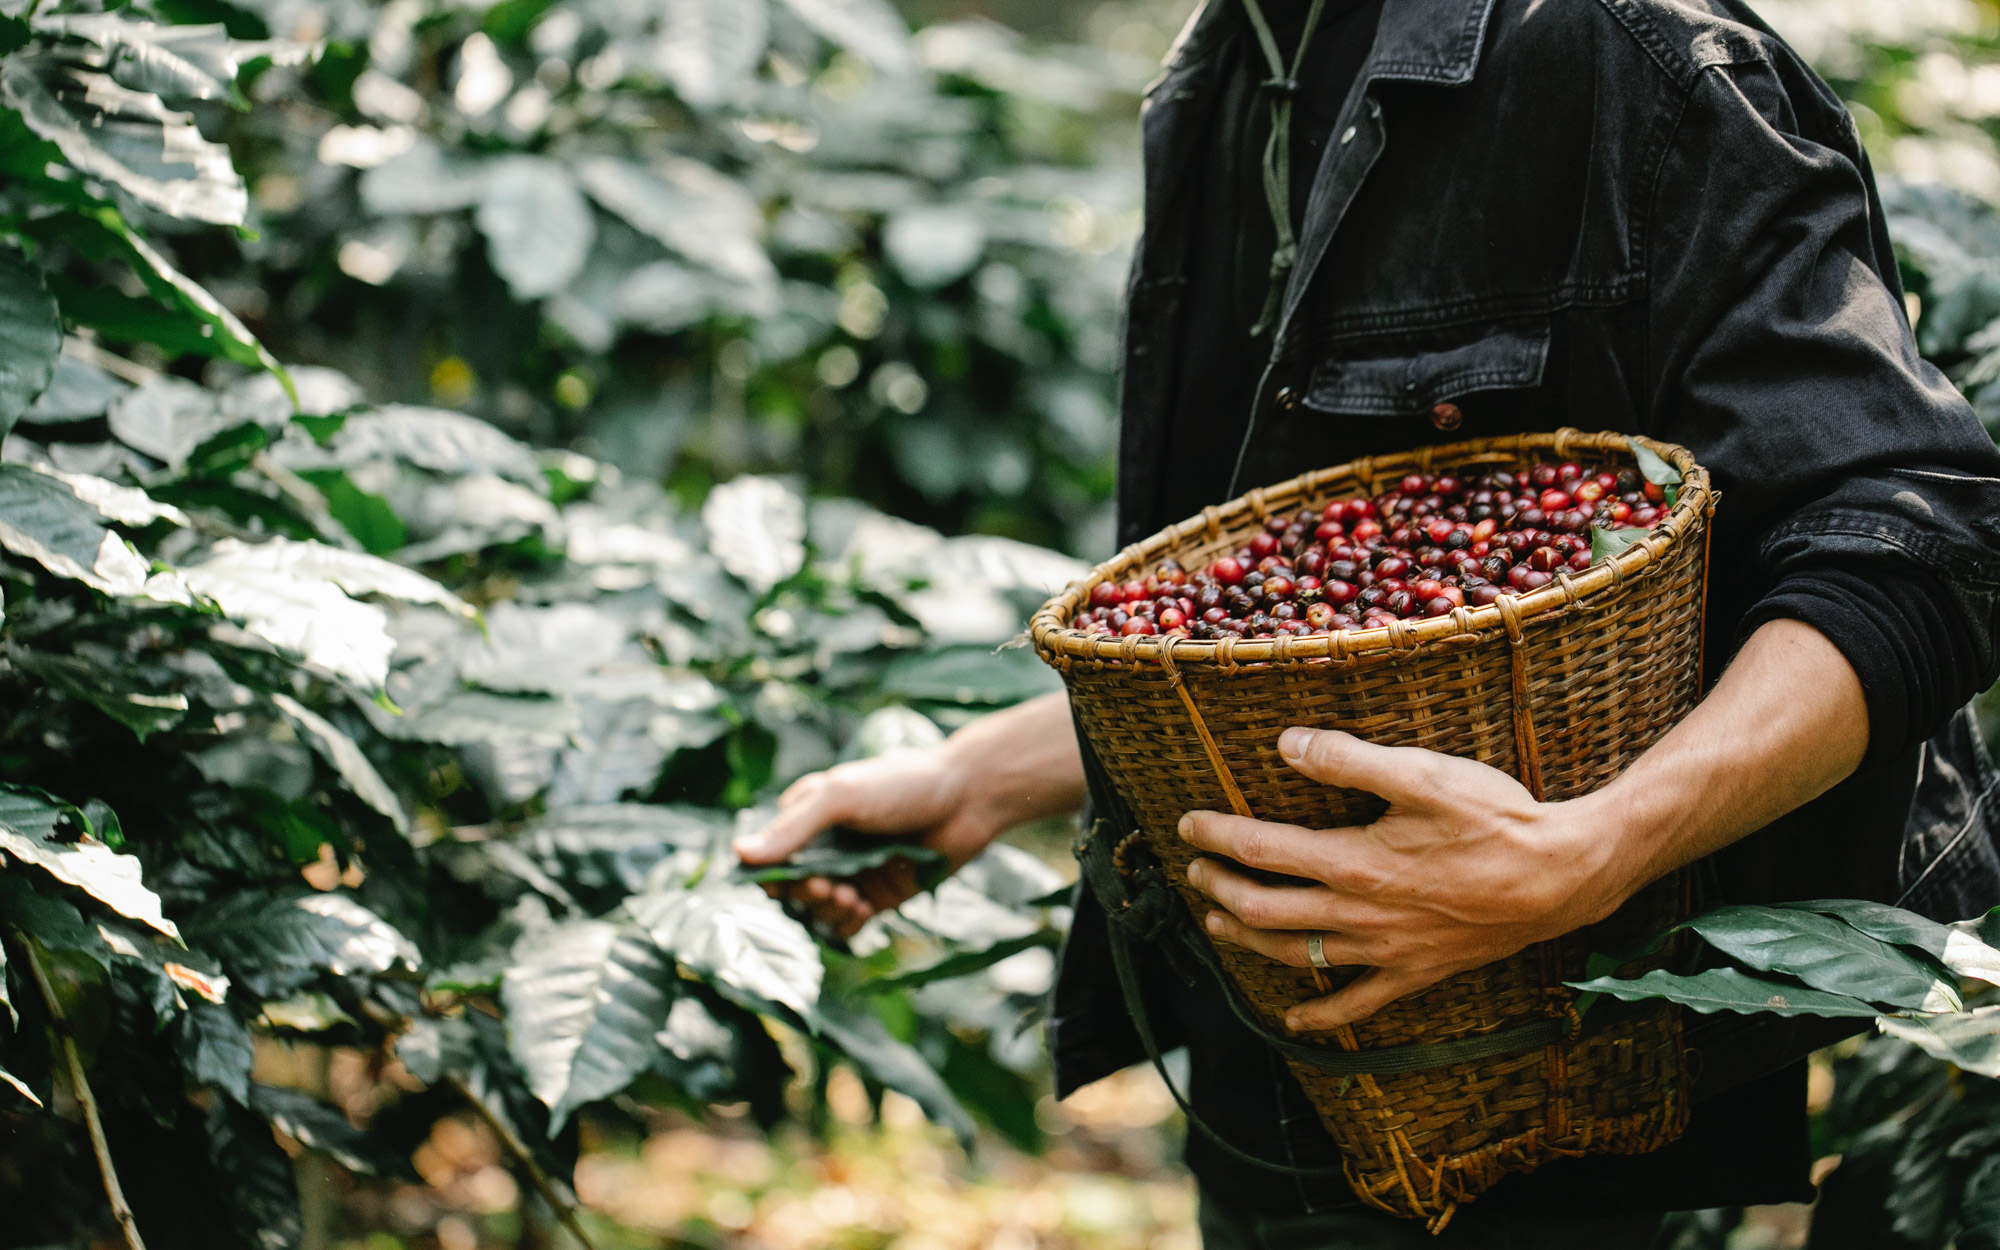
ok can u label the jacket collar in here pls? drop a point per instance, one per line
(1433, 41)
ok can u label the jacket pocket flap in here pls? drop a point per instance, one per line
(1509, 358)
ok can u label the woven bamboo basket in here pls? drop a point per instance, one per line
(1561, 687)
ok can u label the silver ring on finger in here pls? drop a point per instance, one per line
(1316, 950)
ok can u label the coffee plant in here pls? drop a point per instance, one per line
(370, 725)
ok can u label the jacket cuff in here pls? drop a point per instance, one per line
(1902, 634)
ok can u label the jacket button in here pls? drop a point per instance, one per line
(1447, 417)
(1286, 398)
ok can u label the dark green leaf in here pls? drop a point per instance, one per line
(1979, 1209)
(368, 517)
(434, 1046)
(42, 519)
(966, 962)
(739, 939)
(30, 335)
(255, 1177)
(863, 1038)
(1825, 954)
(142, 710)
(1652, 466)
(1607, 543)
(846, 853)
(584, 1001)
(1959, 947)
(1726, 989)
(316, 1126)
(52, 922)
(32, 831)
(273, 945)
(214, 1048)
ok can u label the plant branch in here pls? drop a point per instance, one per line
(544, 1184)
(121, 1210)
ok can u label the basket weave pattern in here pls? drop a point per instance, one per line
(1562, 687)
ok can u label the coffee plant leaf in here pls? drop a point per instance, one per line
(1605, 543)
(861, 1036)
(537, 225)
(434, 1046)
(1726, 989)
(275, 944)
(584, 1000)
(844, 853)
(1979, 1209)
(226, 336)
(310, 1012)
(970, 676)
(1969, 1039)
(738, 938)
(345, 758)
(167, 417)
(965, 963)
(756, 527)
(1961, 947)
(690, 208)
(436, 439)
(254, 1176)
(215, 1048)
(1652, 466)
(133, 704)
(707, 49)
(871, 29)
(19, 1086)
(128, 138)
(42, 519)
(176, 63)
(54, 923)
(424, 180)
(77, 391)
(30, 336)
(316, 1126)
(615, 849)
(1826, 954)
(31, 833)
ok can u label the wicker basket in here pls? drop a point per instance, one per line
(1562, 687)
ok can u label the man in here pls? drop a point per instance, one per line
(1643, 215)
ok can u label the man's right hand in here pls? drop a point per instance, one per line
(956, 797)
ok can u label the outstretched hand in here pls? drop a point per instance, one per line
(1465, 868)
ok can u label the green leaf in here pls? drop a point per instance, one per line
(19, 1086)
(142, 710)
(369, 518)
(584, 1000)
(30, 336)
(1959, 947)
(737, 937)
(310, 1012)
(274, 945)
(214, 1048)
(538, 228)
(965, 963)
(316, 1126)
(864, 1039)
(42, 519)
(1726, 989)
(1606, 543)
(346, 759)
(121, 318)
(846, 853)
(1979, 1209)
(1825, 954)
(434, 1046)
(31, 831)
(255, 1177)
(52, 922)
(1653, 467)
(1969, 1039)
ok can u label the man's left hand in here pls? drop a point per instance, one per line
(1465, 868)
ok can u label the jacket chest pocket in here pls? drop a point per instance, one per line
(1512, 357)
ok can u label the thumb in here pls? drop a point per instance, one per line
(1402, 775)
(812, 805)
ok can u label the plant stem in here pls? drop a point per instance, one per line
(121, 1210)
(544, 1184)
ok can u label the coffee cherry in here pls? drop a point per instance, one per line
(1438, 606)
(1228, 570)
(1278, 586)
(1262, 545)
(1400, 602)
(1171, 618)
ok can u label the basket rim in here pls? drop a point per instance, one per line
(1059, 644)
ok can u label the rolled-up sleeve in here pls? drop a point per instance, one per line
(1859, 493)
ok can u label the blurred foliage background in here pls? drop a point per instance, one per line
(863, 265)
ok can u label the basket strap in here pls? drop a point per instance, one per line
(1234, 792)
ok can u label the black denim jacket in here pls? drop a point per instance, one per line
(1642, 215)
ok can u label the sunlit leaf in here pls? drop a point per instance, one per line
(737, 937)
(871, 29)
(1825, 954)
(706, 49)
(42, 519)
(274, 945)
(584, 1001)
(1969, 1039)
(538, 228)
(346, 759)
(757, 528)
(31, 832)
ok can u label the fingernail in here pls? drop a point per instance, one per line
(1187, 827)
(1293, 742)
(1293, 1021)
(749, 845)
(1214, 922)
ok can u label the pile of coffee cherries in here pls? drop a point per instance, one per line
(1434, 543)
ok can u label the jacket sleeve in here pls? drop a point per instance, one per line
(1859, 493)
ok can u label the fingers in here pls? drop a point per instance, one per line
(1407, 776)
(835, 906)
(1277, 848)
(1361, 998)
(809, 806)
(1270, 906)
(1286, 946)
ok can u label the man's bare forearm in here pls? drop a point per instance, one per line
(1786, 722)
(1021, 764)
